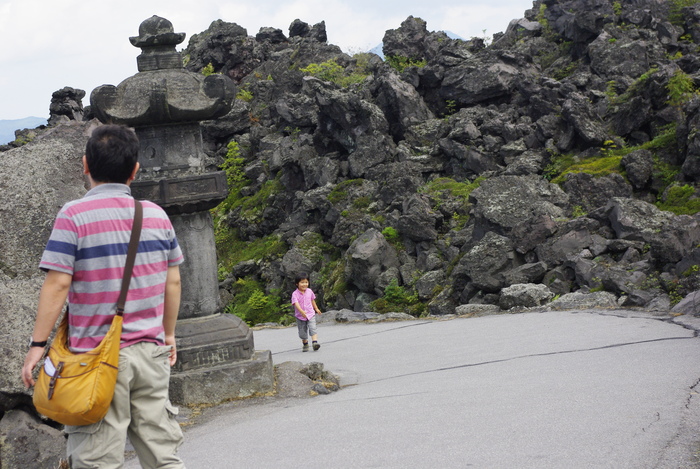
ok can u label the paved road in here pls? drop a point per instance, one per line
(592, 389)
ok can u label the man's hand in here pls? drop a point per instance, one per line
(172, 356)
(33, 356)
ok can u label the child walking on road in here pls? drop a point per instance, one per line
(305, 310)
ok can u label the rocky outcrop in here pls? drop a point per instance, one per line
(439, 173)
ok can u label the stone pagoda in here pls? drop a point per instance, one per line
(165, 103)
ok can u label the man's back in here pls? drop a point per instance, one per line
(89, 241)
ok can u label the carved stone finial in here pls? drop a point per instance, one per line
(157, 41)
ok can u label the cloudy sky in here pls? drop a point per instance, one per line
(49, 44)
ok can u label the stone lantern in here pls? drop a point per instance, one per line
(165, 103)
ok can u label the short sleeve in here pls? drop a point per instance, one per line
(61, 249)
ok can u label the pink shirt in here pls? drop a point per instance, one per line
(304, 300)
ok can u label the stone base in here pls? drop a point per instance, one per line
(242, 378)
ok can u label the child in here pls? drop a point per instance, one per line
(305, 310)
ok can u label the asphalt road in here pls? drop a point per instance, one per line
(589, 389)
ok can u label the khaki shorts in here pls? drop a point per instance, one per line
(140, 409)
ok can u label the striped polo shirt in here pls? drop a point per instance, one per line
(89, 241)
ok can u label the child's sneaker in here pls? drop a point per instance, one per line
(305, 348)
(316, 346)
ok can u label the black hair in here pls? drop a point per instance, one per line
(112, 153)
(300, 276)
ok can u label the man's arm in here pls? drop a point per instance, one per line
(52, 297)
(171, 309)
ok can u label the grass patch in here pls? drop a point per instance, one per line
(680, 200)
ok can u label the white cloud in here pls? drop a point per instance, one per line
(50, 44)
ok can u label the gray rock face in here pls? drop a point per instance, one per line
(524, 295)
(368, 257)
(26, 217)
(26, 442)
(501, 203)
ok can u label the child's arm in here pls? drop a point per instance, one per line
(297, 306)
(313, 303)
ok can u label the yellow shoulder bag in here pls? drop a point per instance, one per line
(77, 388)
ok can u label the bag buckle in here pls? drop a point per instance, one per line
(52, 382)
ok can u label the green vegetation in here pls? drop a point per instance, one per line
(333, 282)
(401, 63)
(617, 8)
(601, 166)
(676, 14)
(451, 187)
(244, 94)
(255, 307)
(680, 88)
(331, 71)
(610, 157)
(634, 89)
(339, 192)
(565, 71)
(231, 251)
(390, 234)
(208, 70)
(681, 200)
(397, 299)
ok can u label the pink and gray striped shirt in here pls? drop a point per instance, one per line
(89, 240)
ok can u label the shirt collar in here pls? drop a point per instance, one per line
(107, 188)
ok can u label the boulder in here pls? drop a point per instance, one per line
(639, 166)
(688, 305)
(582, 301)
(367, 258)
(427, 284)
(502, 203)
(591, 192)
(524, 295)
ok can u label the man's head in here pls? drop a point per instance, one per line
(111, 154)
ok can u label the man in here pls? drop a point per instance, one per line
(84, 262)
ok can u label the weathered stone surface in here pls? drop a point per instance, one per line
(26, 219)
(524, 295)
(581, 300)
(501, 203)
(476, 309)
(26, 442)
(591, 192)
(639, 166)
(369, 256)
(688, 305)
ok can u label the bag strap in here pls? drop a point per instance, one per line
(130, 255)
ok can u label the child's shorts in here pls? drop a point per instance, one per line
(306, 328)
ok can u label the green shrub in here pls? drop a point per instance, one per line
(397, 299)
(390, 234)
(244, 94)
(681, 201)
(208, 70)
(680, 88)
(255, 307)
(400, 63)
(331, 71)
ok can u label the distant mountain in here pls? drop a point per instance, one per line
(8, 127)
